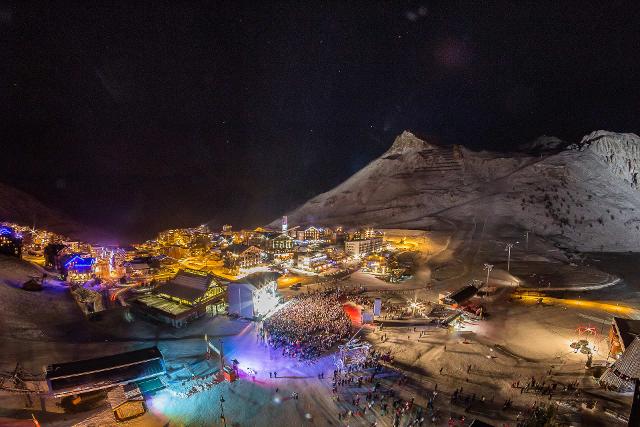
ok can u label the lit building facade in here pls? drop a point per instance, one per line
(78, 269)
(10, 242)
(280, 244)
(190, 295)
(375, 264)
(361, 247)
(313, 261)
(176, 251)
(312, 233)
(242, 256)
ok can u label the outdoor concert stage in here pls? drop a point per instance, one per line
(257, 359)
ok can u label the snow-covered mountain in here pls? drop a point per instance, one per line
(584, 196)
(21, 208)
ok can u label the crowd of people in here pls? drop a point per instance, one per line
(308, 326)
(367, 390)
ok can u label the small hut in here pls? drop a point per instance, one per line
(126, 401)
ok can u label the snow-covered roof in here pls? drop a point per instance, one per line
(625, 371)
(187, 285)
(259, 279)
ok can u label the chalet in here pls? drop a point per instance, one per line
(312, 233)
(312, 260)
(278, 244)
(623, 375)
(77, 268)
(238, 255)
(189, 295)
(361, 247)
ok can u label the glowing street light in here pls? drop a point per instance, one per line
(508, 249)
(488, 267)
(414, 305)
(223, 420)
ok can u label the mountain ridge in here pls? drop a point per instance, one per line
(583, 196)
(19, 207)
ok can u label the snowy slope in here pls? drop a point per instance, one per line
(21, 208)
(584, 196)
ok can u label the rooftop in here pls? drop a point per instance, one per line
(104, 372)
(59, 370)
(463, 294)
(237, 248)
(163, 304)
(188, 285)
(260, 279)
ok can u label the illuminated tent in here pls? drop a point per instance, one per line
(621, 376)
(253, 295)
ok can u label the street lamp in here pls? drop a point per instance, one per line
(222, 418)
(488, 267)
(508, 249)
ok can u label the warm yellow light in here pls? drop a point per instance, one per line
(595, 305)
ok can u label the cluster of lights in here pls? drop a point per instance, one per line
(5, 231)
(78, 261)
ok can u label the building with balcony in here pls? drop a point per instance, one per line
(238, 255)
(361, 247)
(277, 243)
(312, 233)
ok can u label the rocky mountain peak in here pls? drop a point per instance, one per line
(619, 151)
(544, 143)
(407, 142)
(604, 138)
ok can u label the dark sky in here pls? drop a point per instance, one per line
(135, 116)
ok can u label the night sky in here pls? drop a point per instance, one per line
(135, 117)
